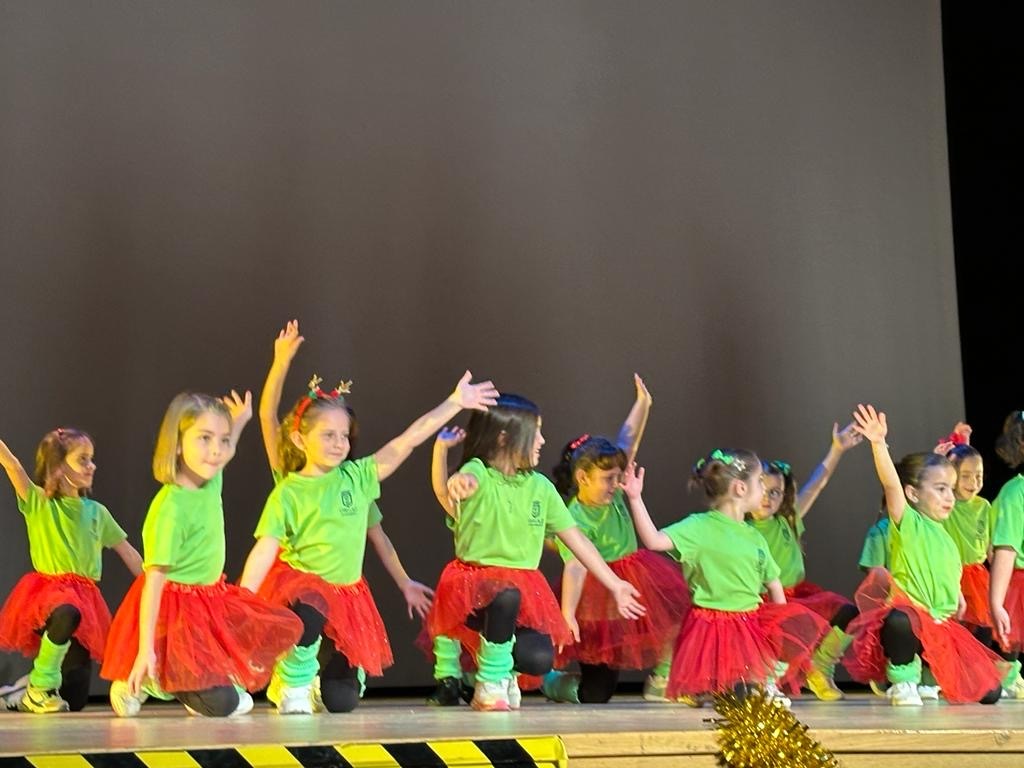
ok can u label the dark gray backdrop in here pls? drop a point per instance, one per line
(746, 202)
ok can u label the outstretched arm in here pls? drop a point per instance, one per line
(15, 472)
(130, 555)
(842, 441)
(258, 564)
(286, 345)
(417, 596)
(872, 425)
(240, 409)
(470, 396)
(633, 427)
(447, 438)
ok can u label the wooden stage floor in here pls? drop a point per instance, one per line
(861, 731)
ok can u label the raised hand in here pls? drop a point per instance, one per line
(417, 598)
(287, 343)
(449, 437)
(641, 389)
(632, 482)
(239, 407)
(870, 423)
(845, 438)
(475, 397)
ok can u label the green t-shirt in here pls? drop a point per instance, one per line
(67, 535)
(784, 544)
(726, 562)
(321, 522)
(1009, 512)
(609, 528)
(876, 546)
(925, 563)
(184, 532)
(505, 521)
(970, 526)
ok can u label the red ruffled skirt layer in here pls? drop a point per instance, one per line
(1014, 605)
(824, 603)
(964, 668)
(206, 635)
(608, 638)
(353, 623)
(465, 588)
(716, 650)
(33, 599)
(974, 584)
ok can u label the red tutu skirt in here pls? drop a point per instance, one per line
(964, 668)
(464, 588)
(718, 649)
(607, 638)
(1014, 605)
(353, 623)
(32, 601)
(974, 585)
(206, 635)
(824, 603)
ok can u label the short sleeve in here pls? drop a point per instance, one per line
(373, 515)
(111, 534)
(363, 473)
(272, 522)
(1009, 527)
(683, 542)
(557, 517)
(34, 501)
(161, 536)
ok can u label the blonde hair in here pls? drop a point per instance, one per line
(181, 414)
(292, 457)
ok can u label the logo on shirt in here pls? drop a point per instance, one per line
(785, 533)
(762, 558)
(346, 498)
(535, 518)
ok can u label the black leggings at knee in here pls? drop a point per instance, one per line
(312, 622)
(62, 623)
(844, 616)
(220, 701)
(339, 682)
(533, 653)
(76, 677)
(496, 621)
(899, 642)
(597, 683)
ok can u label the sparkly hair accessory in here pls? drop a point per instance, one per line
(316, 393)
(782, 467)
(579, 441)
(726, 458)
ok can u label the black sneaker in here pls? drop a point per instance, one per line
(447, 693)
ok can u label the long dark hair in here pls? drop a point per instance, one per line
(508, 428)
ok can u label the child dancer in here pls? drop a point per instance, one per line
(910, 615)
(1007, 577)
(591, 475)
(780, 519)
(730, 637)
(312, 536)
(181, 631)
(56, 613)
(491, 597)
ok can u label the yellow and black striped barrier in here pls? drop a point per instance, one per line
(538, 752)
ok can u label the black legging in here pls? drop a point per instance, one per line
(844, 616)
(76, 669)
(597, 683)
(533, 652)
(339, 680)
(900, 645)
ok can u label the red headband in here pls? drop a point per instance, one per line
(316, 393)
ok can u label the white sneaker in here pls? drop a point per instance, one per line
(928, 692)
(654, 688)
(245, 704)
(491, 697)
(123, 702)
(904, 695)
(316, 697)
(295, 701)
(11, 695)
(775, 696)
(515, 696)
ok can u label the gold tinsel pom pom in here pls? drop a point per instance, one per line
(755, 733)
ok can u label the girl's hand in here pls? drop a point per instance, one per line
(1001, 624)
(870, 423)
(143, 669)
(574, 626)
(641, 389)
(964, 430)
(944, 447)
(475, 397)
(632, 482)
(449, 437)
(287, 343)
(845, 438)
(626, 600)
(239, 407)
(462, 486)
(418, 598)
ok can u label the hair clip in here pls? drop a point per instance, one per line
(60, 431)
(719, 455)
(700, 463)
(579, 441)
(782, 466)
